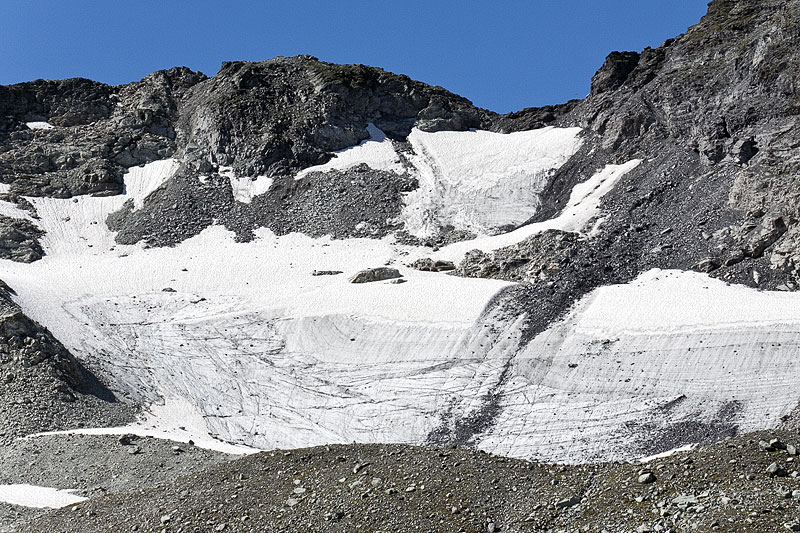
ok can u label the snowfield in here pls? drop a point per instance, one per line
(247, 350)
(39, 497)
(475, 180)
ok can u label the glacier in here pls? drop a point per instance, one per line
(247, 350)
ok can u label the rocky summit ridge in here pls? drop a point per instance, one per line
(681, 166)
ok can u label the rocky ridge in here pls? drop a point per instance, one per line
(44, 387)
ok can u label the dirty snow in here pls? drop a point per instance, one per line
(38, 497)
(246, 188)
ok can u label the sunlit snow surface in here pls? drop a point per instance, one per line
(40, 497)
(253, 350)
(39, 125)
(474, 180)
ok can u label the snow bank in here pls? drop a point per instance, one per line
(39, 497)
(244, 188)
(481, 181)
(663, 361)
(378, 152)
(141, 181)
(39, 125)
(251, 348)
(583, 206)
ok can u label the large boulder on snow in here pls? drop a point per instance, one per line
(375, 274)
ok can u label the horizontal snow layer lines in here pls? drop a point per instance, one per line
(670, 359)
(229, 348)
(267, 380)
(39, 497)
(583, 207)
(473, 180)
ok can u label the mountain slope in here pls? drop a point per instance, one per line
(623, 270)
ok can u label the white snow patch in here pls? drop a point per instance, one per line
(378, 152)
(39, 125)
(667, 349)
(175, 420)
(38, 497)
(582, 207)
(5, 188)
(10, 209)
(141, 181)
(245, 188)
(251, 348)
(668, 453)
(481, 181)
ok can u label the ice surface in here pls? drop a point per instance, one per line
(40, 497)
(253, 350)
(632, 363)
(251, 347)
(582, 207)
(39, 125)
(481, 181)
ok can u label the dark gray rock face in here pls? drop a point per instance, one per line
(19, 240)
(99, 132)
(43, 387)
(285, 114)
(372, 275)
(357, 202)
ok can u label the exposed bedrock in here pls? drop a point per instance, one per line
(42, 386)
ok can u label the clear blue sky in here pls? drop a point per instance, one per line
(501, 54)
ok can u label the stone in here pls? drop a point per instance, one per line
(774, 470)
(371, 275)
(568, 502)
(646, 478)
(326, 272)
(430, 265)
(707, 265)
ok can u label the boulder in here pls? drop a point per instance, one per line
(375, 274)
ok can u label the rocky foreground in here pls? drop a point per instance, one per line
(748, 483)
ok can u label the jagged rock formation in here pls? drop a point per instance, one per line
(42, 386)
